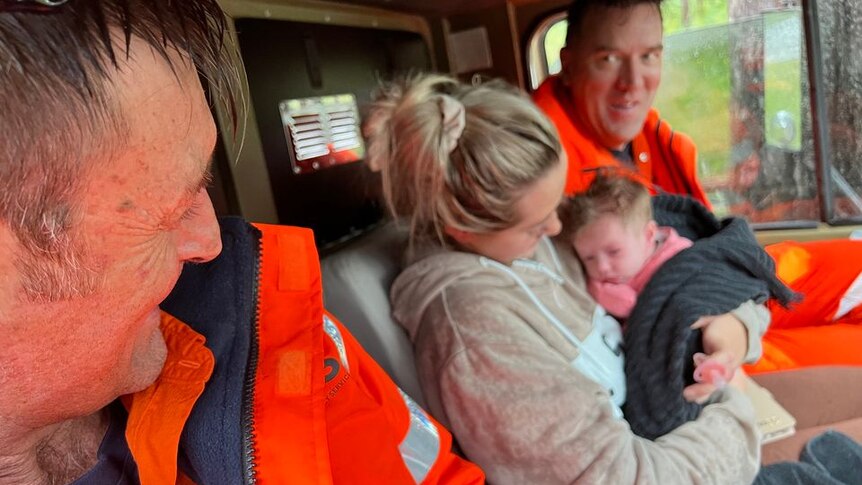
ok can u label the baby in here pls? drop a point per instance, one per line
(620, 246)
(613, 233)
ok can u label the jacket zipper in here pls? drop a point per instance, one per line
(248, 427)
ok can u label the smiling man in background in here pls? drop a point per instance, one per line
(601, 102)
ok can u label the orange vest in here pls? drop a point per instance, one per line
(825, 328)
(824, 272)
(324, 411)
(665, 160)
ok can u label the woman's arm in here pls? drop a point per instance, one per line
(737, 333)
(733, 339)
(520, 411)
(755, 317)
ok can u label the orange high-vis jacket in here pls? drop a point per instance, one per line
(323, 411)
(825, 327)
(665, 159)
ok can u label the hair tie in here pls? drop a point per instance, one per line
(454, 120)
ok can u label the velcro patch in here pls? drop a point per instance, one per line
(294, 373)
(294, 269)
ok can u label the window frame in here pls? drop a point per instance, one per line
(537, 60)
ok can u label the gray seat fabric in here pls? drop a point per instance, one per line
(356, 282)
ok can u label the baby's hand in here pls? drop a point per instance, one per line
(716, 370)
(713, 372)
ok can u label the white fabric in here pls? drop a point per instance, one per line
(851, 299)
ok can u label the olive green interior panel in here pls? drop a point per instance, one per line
(293, 67)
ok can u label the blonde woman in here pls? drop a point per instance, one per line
(513, 354)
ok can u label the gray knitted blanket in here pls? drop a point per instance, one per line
(725, 267)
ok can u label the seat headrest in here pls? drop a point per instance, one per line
(356, 282)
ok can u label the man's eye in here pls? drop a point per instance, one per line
(651, 57)
(192, 211)
(607, 60)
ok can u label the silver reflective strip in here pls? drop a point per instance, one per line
(332, 330)
(420, 447)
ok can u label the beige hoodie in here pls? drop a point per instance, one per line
(498, 374)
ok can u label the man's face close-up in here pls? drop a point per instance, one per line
(612, 66)
(143, 212)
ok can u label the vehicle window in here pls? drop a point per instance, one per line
(544, 49)
(733, 80)
(841, 42)
(736, 80)
(554, 41)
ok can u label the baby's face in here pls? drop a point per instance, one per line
(613, 251)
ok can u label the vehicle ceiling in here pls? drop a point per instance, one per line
(428, 7)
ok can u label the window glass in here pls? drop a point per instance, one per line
(555, 39)
(841, 43)
(734, 80)
(682, 15)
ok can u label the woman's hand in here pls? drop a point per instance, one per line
(725, 339)
(725, 334)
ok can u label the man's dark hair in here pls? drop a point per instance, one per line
(579, 9)
(57, 105)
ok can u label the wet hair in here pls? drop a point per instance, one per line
(506, 145)
(615, 194)
(59, 109)
(578, 10)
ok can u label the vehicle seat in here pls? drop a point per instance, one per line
(356, 282)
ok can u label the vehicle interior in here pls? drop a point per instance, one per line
(767, 89)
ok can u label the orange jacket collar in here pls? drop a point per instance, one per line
(158, 414)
